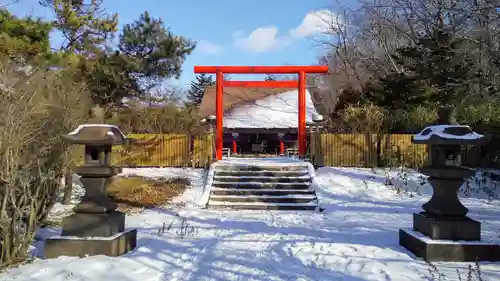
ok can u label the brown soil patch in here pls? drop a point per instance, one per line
(139, 192)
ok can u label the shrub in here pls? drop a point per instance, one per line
(366, 118)
(36, 108)
(166, 116)
(413, 119)
(482, 117)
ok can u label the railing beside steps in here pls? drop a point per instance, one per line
(226, 152)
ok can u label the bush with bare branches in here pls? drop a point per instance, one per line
(368, 118)
(36, 108)
(165, 115)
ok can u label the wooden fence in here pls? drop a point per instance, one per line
(160, 150)
(366, 150)
(326, 149)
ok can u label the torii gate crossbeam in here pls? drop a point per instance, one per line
(219, 71)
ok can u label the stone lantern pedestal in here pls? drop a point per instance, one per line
(443, 232)
(96, 227)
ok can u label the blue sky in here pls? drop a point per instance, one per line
(228, 32)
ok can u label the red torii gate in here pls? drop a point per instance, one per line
(219, 71)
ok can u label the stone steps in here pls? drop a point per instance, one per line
(262, 179)
(263, 206)
(259, 191)
(298, 173)
(284, 198)
(262, 186)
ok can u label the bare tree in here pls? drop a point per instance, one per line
(362, 42)
(354, 56)
(473, 21)
(35, 110)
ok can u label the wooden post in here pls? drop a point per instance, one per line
(282, 144)
(235, 146)
(302, 114)
(219, 114)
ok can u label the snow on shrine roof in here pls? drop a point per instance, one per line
(273, 111)
(439, 131)
(234, 96)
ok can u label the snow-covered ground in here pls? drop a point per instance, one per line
(355, 237)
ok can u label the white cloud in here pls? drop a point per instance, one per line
(208, 47)
(265, 39)
(315, 22)
(261, 40)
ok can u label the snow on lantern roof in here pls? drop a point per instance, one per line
(448, 134)
(97, 134)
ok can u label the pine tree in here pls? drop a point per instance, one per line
(24, 37)
(396, 91)
(84, 25)
(197, 88)
(439, 60)
(147, 54)
(155, 51)
(435, 71)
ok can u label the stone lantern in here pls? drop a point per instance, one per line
(444, 218)
(210, 120)
(96, 227)
(315, 127)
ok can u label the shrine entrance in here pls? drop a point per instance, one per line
(300, 84)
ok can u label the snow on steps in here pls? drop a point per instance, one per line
(261, 184)
(264, 206)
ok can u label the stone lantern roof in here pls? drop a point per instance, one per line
(446, 131)
(448, 135)
(97, 134)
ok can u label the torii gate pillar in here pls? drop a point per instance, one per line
(301, 71)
